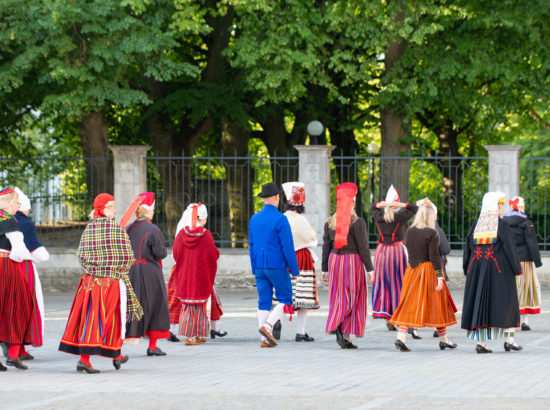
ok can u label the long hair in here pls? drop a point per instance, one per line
(389, 214)
(7, 199)
(332, 219)
(424, 218)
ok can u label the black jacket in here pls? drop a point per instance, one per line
(525, 237)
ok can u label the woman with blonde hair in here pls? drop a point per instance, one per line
(17, 302)
(425, 298)
(345, 256)
(390, 259)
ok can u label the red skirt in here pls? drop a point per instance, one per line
(27, 268)
(174, 303)
(94, 324)
(215, 306)
(17, 305)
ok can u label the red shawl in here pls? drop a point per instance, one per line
(196, 259)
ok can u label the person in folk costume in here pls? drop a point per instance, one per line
(147, 278)
(38, 254)
(17, 301)
(490, 308)
(525, 238)
(104, 299)
(304, 286)
(196, 258)
(213, 306)
(345, 256)
(390, 258)
(425, 298)
(272, 257)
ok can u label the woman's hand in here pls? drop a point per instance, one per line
(381, 204)
(324, 277)
(371, 277)
(439, 284)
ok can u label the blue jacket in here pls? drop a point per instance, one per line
(270, 241)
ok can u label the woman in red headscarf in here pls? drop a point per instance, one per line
(104, 298)
(196, 258)
(345, 252)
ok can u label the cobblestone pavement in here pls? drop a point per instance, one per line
(234, 372)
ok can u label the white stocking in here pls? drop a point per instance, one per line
(214, 325)
(301, 322)
(174, 328)
(276, 314)
(262, 317)
(525, 319)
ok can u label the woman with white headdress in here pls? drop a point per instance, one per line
(490, 309)
(525, 238)
(425, 299)
(304, 286)
(390, 259)
(196, 258)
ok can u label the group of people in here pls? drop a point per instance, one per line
(408, 275)
(122, 296)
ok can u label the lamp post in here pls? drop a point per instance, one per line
(315, 129)
(372, 148)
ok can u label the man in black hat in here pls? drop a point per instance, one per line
(272, 256)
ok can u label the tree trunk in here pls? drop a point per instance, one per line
(452, 169)
(238, 181)
(394, 171)
(93, 131)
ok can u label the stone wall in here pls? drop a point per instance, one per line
(61, 273)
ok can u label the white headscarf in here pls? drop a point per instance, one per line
(202, 213)
(423, 202)
(24, 202)
(392, 195)
(486, 228)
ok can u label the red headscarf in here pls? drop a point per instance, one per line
(99, 204)
(345, 200)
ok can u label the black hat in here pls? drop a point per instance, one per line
(269, 189)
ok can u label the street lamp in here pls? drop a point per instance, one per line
(372, 148)
(315, 129)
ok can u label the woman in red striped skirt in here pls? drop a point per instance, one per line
(104, 298)
(17, 302)
(345, 251)
(390, 258)
(196, 258)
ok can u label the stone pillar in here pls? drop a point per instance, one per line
(314, 172)
(130, 174)
(504, 169)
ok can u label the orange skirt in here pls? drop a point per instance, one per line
(421, 305)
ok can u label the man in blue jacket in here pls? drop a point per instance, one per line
(272, 256)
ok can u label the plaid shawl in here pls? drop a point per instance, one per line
(105, 251)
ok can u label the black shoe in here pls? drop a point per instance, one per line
(16, 363)
(305, 337)
(349, 344)
(512, 346)
(390, 326)
(436, 334)
(221, 333)
(81, 367)
(118, 362)
(28, 356)
(412, 331)
(173, 338)
(525, 327)
(276, 331)
(443, 345)
(399, 345)
(482, 349)
(5, 349)
(156, 352)
(3, 368)
(340, 338)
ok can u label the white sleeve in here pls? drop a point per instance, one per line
(40, 255)
(19, 251)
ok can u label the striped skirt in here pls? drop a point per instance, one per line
(27, 267)
(421, 305)
(174, 303)
(216, 311)
(347, 294)
(194, 321)
(94, 324)
(390, 263)
(528, 290)
(304, 287)
(17, 303)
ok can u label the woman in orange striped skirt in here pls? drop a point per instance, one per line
(425, 298)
